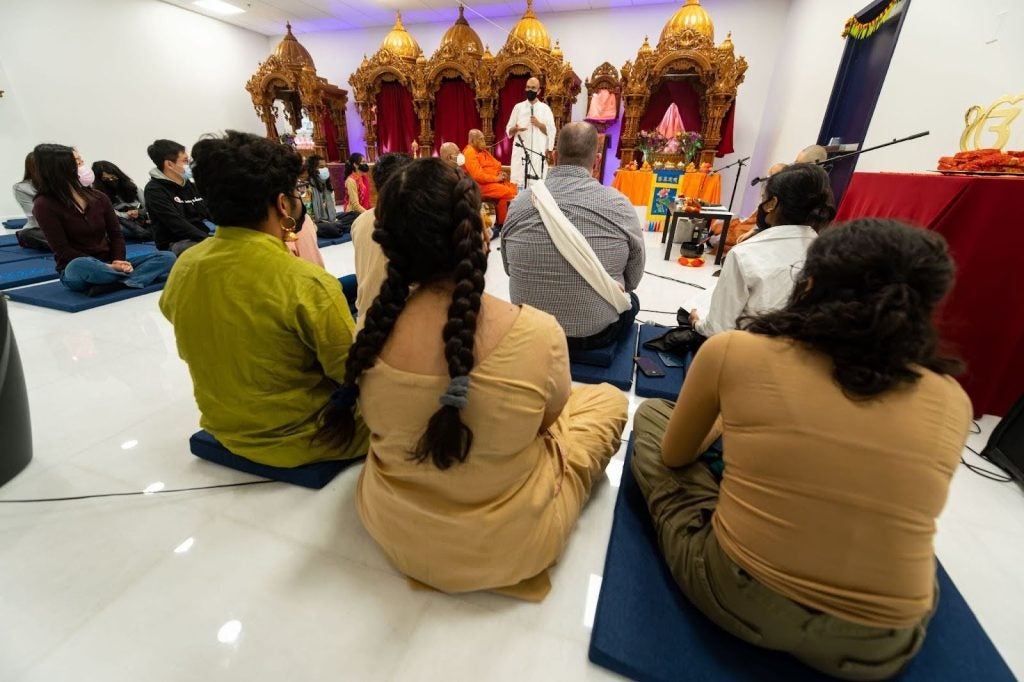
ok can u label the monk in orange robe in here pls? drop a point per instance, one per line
(487, 172)
(739, 230)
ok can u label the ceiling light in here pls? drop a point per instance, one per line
(218, 7)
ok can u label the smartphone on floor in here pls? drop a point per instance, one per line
(648, 367)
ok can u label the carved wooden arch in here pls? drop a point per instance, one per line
(449, 61)
(300, 90)
(605, 77)
(718, 69)
(560, 84)
(384, 67)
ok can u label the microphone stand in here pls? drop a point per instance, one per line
(736, 182)
(829, 162)
(529, 171)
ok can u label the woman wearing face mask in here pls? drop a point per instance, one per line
(265, 335)
(357, 184)
(85, 174)
(759, 273)
(82, 229)
(321, 198)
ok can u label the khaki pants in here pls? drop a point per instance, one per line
(682, 502)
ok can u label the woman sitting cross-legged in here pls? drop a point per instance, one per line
(265, 334)
(842, 429)
(481, 455)
(321, 199)
(758, 274)
(82, 229)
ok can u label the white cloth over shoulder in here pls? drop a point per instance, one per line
(532, 136)
(575, 249)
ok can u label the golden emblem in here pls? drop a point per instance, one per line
(996, 119)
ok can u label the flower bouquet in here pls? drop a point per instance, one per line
(650, 142)
(690, 144)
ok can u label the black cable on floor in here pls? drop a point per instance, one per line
(673, 279)
(140, 492)
(1004, 477)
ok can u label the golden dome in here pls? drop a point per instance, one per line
(400, 41)
(290, 51)
(421, 59)
(646, 47)
(531, 31)
(693, 16)
(727, 43)
(462, 36)
(487, 54)
(556, 51)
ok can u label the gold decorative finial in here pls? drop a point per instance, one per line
(692, 16)
(646, 47)
(531, 31)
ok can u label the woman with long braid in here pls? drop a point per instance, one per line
(481, 455)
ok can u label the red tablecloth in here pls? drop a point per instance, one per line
(982, 218)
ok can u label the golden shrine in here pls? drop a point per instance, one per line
(686, 50)
(288, 79)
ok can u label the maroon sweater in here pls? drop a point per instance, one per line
(73, 234)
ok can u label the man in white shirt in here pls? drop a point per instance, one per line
(533, 123)
(759, 273)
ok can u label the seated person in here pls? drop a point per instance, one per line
(450, 152)
(265, 335)
(758, 275)
(538, 273)
(82, 230)
(175, 207)
(842, 431)
(357, 185)
(321, 199)
(306, 244)
(25, 191)
(739, 230)
(371, 265)
(124, 195)
(482, 491)
(487, 172)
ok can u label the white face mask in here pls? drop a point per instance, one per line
(460, 159)
(325, 174)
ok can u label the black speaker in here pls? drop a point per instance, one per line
(15, 424)
(1006, 445)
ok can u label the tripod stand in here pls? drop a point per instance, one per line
(529, 170)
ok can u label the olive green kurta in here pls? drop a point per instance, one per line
(265, 336)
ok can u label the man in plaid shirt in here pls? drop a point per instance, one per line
(538, 274)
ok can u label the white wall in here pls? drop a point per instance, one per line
(110, 76)
(941, 66)
(588, 39)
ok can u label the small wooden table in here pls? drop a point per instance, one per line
(716, 213)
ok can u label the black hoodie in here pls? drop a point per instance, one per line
(177, 211)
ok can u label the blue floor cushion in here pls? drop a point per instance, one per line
(15, 223)
(24, 272)
(618, 374)
(645, 629)
(57, 296)
(668, 386)
(316, 475)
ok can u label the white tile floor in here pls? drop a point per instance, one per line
(275, 582)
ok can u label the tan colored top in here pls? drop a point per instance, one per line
(828, 501)
(371, 265)
(490, 521)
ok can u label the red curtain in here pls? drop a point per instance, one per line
(397, 125)
(330, 138)
(455, 113)
(686, 97)
(509, 96)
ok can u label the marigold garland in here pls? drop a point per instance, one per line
(859, 31)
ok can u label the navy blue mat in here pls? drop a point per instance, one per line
(13, 254)
(15, 223)
(25, 272)
(668, 386)
(332, 241)
(58, 297)
(646, 629)
(598, 357)
(619, 374)
(316, 475)
(8, 240)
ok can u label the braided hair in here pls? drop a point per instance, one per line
(428, 225)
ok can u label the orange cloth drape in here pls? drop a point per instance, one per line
(711, 192)
(636, 185)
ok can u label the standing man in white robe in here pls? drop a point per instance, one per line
(533, 121)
